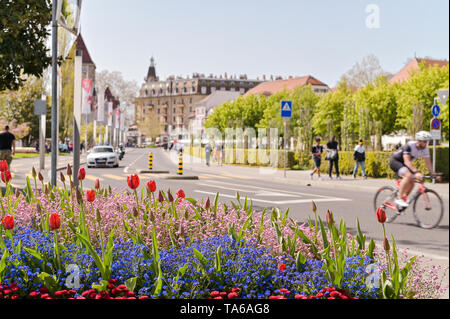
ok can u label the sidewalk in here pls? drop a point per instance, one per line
(21, 167)
(296, 177)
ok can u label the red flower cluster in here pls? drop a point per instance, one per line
(325, 293)
(113, 292)
(9, 291)
(228, 294)
(283, 292)
(43, 293)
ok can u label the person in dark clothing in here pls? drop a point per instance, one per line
(360, 157)
(7, 146)
(333, 157)
(316, 152)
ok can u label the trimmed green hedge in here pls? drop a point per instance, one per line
(377, 163)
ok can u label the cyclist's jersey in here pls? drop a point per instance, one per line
(411, 149)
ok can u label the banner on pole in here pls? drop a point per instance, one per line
(101, 108)
(117, 118)
(110, 113)
(86, 96)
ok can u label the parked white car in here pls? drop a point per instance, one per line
(102, 156)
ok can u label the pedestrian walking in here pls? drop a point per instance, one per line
(316, 153)
(333, 157)
(208, 151)
(7, 146)
(219, 154)
(360, 157)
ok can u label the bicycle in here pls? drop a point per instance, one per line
(428, 208)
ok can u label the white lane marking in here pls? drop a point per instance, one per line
(298, 201)
(262, 189)
(125, 170)
(256, 193)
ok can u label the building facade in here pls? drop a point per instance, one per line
(173, 100)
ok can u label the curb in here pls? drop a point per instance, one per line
(141, 171)
(182, 177)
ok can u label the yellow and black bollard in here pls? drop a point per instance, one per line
(180, 164)
(150, 161)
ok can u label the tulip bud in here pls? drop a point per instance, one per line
(54, 221)
(69, 170)
(79, 196)
(386, 244)
(33, 172)
(169, 196)
(329, 216)
(207, 203)
(314, 207)
(381, 215)
(8, 222)
(99, 216)
(17, 193)
(61, 177)
(46, 190)
(41, 178)
(160, 197)
(97, 184)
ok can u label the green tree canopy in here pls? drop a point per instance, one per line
(23, 33)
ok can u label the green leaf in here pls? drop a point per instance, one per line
(217, 264)
(324, 234)
(131, 283)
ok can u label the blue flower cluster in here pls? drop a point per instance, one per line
(188, 271)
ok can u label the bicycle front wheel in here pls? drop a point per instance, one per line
(428, 209)
(384, 198)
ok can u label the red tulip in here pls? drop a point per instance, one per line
(282, 267)
(6, 176)
(3, 166)
(152, 186)
(181, 194)
(81, 174)
(381, 215)
(8, 222)
(90, 195)
(97, 184)
(54, 221)
(133, 181)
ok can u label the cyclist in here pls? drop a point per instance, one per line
(401, 163)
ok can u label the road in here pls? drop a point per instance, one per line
(346, 199)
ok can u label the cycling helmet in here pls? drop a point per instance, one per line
(423, 136)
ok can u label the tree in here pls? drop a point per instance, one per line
(150, 126)
(328, 117)
(125, 91)
(19, 105)
(364, 73)
(421, 89)
(23, 35)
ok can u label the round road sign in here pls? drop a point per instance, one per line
(436, 110)
(435, 124)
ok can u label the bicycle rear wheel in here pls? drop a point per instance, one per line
(384, 198)
(428, 209)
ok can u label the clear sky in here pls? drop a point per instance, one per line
(255, 37)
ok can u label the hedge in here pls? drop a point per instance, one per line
(376, 164)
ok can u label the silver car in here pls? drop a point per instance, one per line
(102, 156)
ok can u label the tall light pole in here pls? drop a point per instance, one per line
(54, 147)
(57, 18)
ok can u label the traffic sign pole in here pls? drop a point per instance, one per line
(286, 112)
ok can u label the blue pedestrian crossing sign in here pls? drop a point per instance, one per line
(286, 109)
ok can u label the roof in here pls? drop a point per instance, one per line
(217, 98)
(405, 73)
(82, 46)
(269, 88)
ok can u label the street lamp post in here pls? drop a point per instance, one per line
(57, 18)
(54, 147)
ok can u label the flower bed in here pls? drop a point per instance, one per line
(101, 244)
